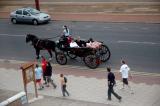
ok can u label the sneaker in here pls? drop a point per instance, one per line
(55, 86)
(40, 88)
(109, 99)
(47, 85)
(132, 92)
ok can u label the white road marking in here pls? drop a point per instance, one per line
(88, 26)
(124, 28)
(133, 42)
(144, 28)
(107, 27)
(12, 35)
(151, 43)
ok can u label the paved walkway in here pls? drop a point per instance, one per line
(84, 88)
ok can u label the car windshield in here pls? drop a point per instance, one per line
(33, 11)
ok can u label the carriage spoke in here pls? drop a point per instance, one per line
(91, 61)
(61, 58)
(104, 53)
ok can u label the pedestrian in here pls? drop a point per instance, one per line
(63, 81)
(111, 83)
(81, 43)
(48, 75)
(38, 76)
(125, 73)
(44, 65)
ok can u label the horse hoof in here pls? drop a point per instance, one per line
(40, 56)
(50, 59)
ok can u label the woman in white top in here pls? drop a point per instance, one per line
(73, 44)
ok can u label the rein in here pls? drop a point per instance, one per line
(51, 37)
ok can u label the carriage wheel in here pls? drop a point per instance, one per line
(91, 61)
(71, 55)
(61, 58)
(104, 53)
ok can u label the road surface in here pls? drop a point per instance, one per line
(137, 43)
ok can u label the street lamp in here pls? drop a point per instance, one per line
(37, 4)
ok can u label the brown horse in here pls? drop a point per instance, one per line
(41, 44)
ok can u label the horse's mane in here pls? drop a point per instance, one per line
(32, 36)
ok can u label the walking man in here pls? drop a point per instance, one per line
(49, 75)
(111, 83)
(63, 81)
(125, 72)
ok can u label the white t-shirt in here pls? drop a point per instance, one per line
(124, 70)
(73, 44)
(65, 32)
(38, 73)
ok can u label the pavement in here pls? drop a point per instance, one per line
(87, 87)
(144, 12)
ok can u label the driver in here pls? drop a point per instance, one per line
(66, 31)
(66, 36)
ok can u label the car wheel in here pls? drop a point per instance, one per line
(35, 22)
(14, 21)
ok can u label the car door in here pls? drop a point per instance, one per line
(19, 15)
(27, 17)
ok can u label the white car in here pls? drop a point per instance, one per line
(29, 15)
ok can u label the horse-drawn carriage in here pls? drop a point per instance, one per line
(92, 57)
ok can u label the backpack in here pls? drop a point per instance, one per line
(65, 79)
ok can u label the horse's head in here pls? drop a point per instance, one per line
(30, 37)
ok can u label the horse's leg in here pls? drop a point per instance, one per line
(50, 53)
(37, 53)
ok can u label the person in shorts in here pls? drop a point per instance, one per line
(38, 76)
(125, 73)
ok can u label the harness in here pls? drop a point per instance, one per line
(40, 46)
(37, 42)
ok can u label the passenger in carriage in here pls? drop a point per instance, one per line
(80, 42)
(93, 44)
(90, 40)
(73, 44)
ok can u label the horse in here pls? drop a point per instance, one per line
(41, 44)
